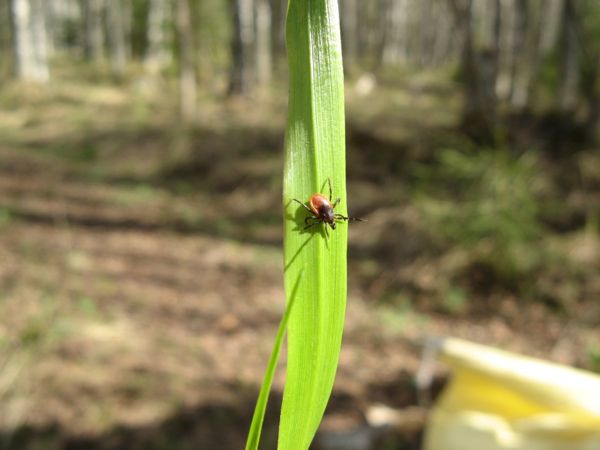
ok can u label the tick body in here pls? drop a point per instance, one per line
(322, 210)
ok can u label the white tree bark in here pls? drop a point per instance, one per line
(31, 54)
(187, 76)
(395, 50)
(116, 26)
(527, 59)
(443, 46)
(349, 17)
(51, 25)
(570, 59)
(263, 42)
(551, 19)
(242, 42)
(157, 54)
(507, 49)
(247, 35)
(93, 32)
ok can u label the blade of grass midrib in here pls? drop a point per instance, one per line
(320, 258)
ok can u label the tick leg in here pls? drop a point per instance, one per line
(337, 201)
(303, 205)
(309, 218)
(330, 191)
(312, 224)
(353, 219)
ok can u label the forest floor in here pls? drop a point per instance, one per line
(141, 267)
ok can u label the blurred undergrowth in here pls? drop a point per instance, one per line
(487, 203)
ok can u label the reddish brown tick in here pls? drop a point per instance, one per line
(322, 210)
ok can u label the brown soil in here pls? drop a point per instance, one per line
(139, 301)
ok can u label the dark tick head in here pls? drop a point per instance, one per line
(326, 214)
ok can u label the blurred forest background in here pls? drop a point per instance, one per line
(141, 227)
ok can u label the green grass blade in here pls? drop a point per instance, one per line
(314, 152)
(263, 396)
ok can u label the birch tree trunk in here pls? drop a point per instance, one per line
(51, 26)
(443, 46)
(31, 55)
(528, 57)
(93, 32)
(126, 19)
(395, 50)
(349, 17)
(241, 45)
(518, 94)
(187, 76)
(279, 11)
(479, 68)
(263, 42)
(551, 14)
(426, 30)
(570, 59)
(157, 55)
(116, 26)
(506, 57)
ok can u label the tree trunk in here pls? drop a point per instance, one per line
(507, 46)
(570, 60)
(395, 50)
(279, 11)
(520, 70)
(30, 40)
(187, 76)
(263, 42)
(51, 26)
(528, 57)
(126, 19)
(93, 32)
(551, 14)
(426, 31)
(443, 43)
(157, 54)
(380, 31)
(241, 45)
(116, 26)
(349, 17)
(479, 70)
(366, 33)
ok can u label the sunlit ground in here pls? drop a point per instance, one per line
(141, 264)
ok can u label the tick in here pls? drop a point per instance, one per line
(322, 210)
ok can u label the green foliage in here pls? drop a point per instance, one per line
(5, 217)
(488, 203)
(455, 300)
(593, 355)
